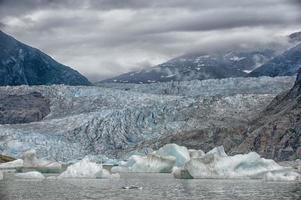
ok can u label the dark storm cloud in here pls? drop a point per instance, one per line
(101, 38)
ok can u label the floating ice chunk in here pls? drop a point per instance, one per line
(86, 169)
(1, 175)
(13, 164)
(31, 160)
(217, 165)
(119, 169)
(179, 152)
(281, 176)
(196, 153)
(219, 151)
(30, 175)
(151, 163)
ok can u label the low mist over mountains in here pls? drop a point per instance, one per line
(23, 65)
(286, 64)
(263, 62)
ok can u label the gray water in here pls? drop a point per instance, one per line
(155, 186)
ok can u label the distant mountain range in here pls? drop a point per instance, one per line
(265, 62)
(21, 64)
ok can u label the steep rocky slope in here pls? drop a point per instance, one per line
(23, 65)
(27, 108)
(87, 120)
(286, 64)
(276, 133)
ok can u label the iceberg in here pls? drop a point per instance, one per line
(217, 164)
(12, 165)
(281, 176)
(181, 153)
(31, 161)
(151, 163)
(30, 175)
(86, 169)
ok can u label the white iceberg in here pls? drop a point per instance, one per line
(151, 163)
(12, 165)
(31, 161)
(282, 176)
(181, 153)
(216, 164)
(86, 169)
(30, 175)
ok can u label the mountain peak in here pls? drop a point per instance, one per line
(21, 64)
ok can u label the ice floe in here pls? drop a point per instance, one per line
(31, 161)
(30, 175)
(281, 176)
(187, 164)
(86, 169)
(151, 163)
(181, 153)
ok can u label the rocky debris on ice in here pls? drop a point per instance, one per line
(196, 153)
(30, 175)
(31, 161)
(12, 165)
(86, 169)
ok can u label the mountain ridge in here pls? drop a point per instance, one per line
(21, 64)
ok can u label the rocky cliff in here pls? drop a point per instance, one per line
(276, 133)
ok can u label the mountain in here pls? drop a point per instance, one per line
(295, 37)
(23, 65)
(276, 133)
(198, 67)
(286, 64)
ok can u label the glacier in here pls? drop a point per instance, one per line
(98, 120)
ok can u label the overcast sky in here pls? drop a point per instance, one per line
(103, 38)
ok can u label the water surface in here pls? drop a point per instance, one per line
(155, 186)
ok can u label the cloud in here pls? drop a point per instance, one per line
(102, 38)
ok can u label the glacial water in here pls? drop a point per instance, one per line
(154, 186)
